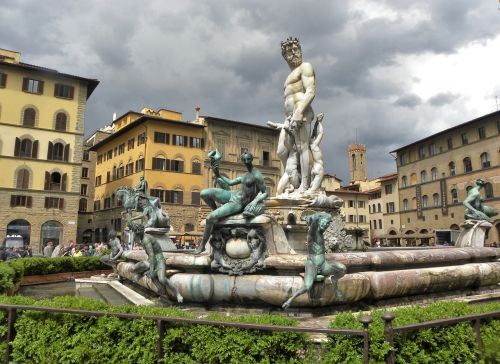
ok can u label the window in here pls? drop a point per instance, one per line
(108, 176)
(121, 149)
(83, 189)
(361, 204)
(196, 167)
(380, 224)
(21, 201)
(55, 181)
(61, 119)
(481, 132)
(451, 166)
(115, 151)
(23, 179)
(168, 196)
(388, 189)
(177, 166)
(58, 152)
(423, 176)
(130, 144)
(403, 158)
(465, 138)
(488, 190)
(141, 138)
(180, 140)
(163, 138)
(3, 80)
(99, 159)
(362, 218)
(467, 165)
(29, 117)
(139, 165)
(32, 86)
(390, 207)
(374, 222)
(85, 172)
(129, 169)
(266, 159)
(435, 198)
(82, 205)
(107, 202)
(405, 205)
(161, 164)
(195, 198)
(64, 91)
(196, 142)
(98, 181)
(109, 154)
(432, 149)
(121, 171)
(243, 150)
(351, 203)
(434, 173)
(454, 196)
(97, 205)
(54, 203)
(425, 201)
(404, 181)
(485, 160)
(188, 227)
(379, 207)
(421, 152)
(86, 156)
(352, 218)
(450, 142)
(114, 173)
(26, 148)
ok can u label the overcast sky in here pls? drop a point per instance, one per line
(387, 72)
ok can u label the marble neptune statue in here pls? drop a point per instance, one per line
(295, 144)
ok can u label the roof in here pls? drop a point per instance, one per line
(241, 123)
(373, 189)
(140, 121)
(91, 83)
(496, 113)
(388, 177)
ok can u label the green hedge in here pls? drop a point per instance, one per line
(64, 338)
(12, 271)
(448, 344)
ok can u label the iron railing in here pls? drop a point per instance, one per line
(161, 321)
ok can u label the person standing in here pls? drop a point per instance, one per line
(48, 250)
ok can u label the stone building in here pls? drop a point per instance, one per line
(86, 223)
(41, 132)
(436, 172)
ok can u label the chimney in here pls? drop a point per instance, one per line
(114, 116)
(197, 116)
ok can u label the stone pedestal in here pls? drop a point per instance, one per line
(473, 233)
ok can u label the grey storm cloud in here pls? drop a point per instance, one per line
(225, 56)
(410, 101)
(442, 99)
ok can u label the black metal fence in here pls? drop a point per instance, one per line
(161, 321)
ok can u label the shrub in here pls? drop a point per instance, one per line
(450, 344)
(12, 271)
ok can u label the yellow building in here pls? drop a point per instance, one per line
(436, 172)
(41, 132)
(167, 151)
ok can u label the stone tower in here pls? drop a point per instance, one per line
(357, 162)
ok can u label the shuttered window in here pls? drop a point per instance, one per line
(32, 86)
(64, 91)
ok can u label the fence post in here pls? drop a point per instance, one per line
(366, 320)
(161, 334)
(11, 319)
(476, 325)
(389, 336)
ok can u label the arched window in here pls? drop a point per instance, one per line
(51, 231)
(434, 173)
(405, 205)
(451, 166)
(353, 162)
(435, 198)
(485, 160)
(58, 152)
(425, 201)
(23, 179)
(379, 207)
(61, 121)
(423, 176)
(25, 148)
(29, 117)
(55, 181)
(454, 196)
(196, 167)
(488, 190)
(82, 206)
(20, 227)
(467, 165)
(404, 181)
